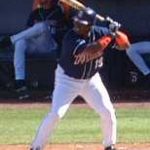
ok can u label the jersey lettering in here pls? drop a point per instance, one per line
(98, 62)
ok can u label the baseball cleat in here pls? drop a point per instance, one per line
(35, 148)
(21, 90)
(110, 148)
(23, 93)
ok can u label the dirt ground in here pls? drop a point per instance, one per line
(79, 147)
(91, 146)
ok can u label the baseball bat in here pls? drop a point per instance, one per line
(79, 6)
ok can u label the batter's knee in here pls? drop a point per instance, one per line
(56, 115)
(60, 111)
(109, 115)
(53, 116)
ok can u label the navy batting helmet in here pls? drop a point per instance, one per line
(86, 16)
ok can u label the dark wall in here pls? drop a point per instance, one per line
(14, 14)
(133, 15)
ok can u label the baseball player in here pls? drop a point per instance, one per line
(46, 27)
(77, 74)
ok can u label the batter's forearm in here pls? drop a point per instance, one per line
(99, 45)
(93, 47)
(93, 50)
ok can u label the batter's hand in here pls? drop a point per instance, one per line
(121, 41)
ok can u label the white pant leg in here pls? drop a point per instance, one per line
(19, 59)
(134, 53)
(31, 32)
(97, 97)
(64, 93)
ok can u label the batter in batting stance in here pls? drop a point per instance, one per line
(77, 74)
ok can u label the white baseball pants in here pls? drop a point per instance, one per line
(66, 90)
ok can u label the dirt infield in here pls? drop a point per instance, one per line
(136, 146)
(79, 147)
(44, 105)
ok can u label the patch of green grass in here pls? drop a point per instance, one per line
(134, 125)
(18, 126)
(82, 125)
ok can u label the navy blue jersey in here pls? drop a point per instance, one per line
(74, 44)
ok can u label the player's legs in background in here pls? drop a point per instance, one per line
(19, 59)
(19, 68)
(135, 52)
(97, 97)
(34, 45)
(32, 32)
(30, 44)
(64, 93)
(43, 44)
(22, 47)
